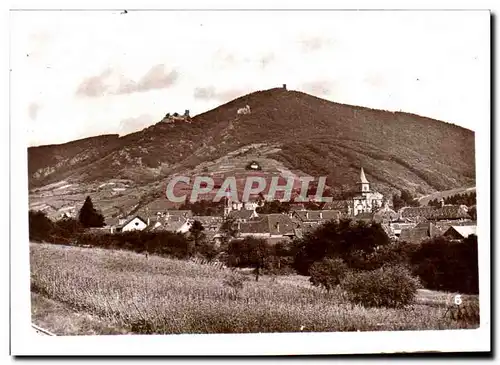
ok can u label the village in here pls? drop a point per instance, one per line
(412, 224)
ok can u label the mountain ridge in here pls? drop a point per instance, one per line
(315, 136)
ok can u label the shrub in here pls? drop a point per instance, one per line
(467, 312)
(398, 253)
(338, 239)
(234, 281)
(327, 273)
(159, 243)
(208, 250)
(389, 286)
(40, 226)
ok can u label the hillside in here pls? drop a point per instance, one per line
(291, 129)
(53, 162)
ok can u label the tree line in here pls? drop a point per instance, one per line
(467, 199)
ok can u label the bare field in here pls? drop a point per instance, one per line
(129, 293)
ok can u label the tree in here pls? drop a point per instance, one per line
(196, 232)
(345, 239)
(228, 230)
(274, 206)
(89, 216)
(327, 273)
(473, 212)
(40, 227)
(249, 252)
(434, 203)
(66, 230)
(404, 199)
(448, 265)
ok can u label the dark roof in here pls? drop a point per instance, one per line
(179, 213)
(156, 206)
(274, 224)
(365, 216)
(316, 215)
(171, 226)
(207, 219)
(275, 240)
(444, 225)
(241, 214)
(445, 212)
(461, 231)
(450, 212)
(420, 232)
(131, 219)
(209, 222)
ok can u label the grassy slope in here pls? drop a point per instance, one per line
(62, 320)
(126, 291)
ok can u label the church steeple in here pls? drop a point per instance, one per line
(365, 185)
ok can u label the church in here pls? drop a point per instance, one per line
(367, 201)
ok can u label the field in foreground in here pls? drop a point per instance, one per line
(114, 292)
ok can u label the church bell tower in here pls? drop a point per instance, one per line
(364, 184)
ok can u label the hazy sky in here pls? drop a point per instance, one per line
(79, 74)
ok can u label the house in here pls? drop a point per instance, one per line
(209, 223)
(367, 200)
(243, 215)
(153, 225)
(398, 227)
(314, 217)
(445, 212)
(445, 224)
(415, 214)
(155, 207)
(135, 223)
(172, 221)
(272, 227)
(420, 232)
(177, 226)
(249, 205)
(177, 214)
(367, 217)
(253, 165)
(460, 232)
(343, 206)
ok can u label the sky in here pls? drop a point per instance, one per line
(80, 73)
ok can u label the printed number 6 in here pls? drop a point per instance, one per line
(458, 299)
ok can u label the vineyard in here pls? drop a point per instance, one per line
(166, 296)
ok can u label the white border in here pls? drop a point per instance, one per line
(24, 342)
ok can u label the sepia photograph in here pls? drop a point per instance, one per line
(259, 173)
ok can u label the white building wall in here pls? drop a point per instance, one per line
(185, 227)
(134, 225)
